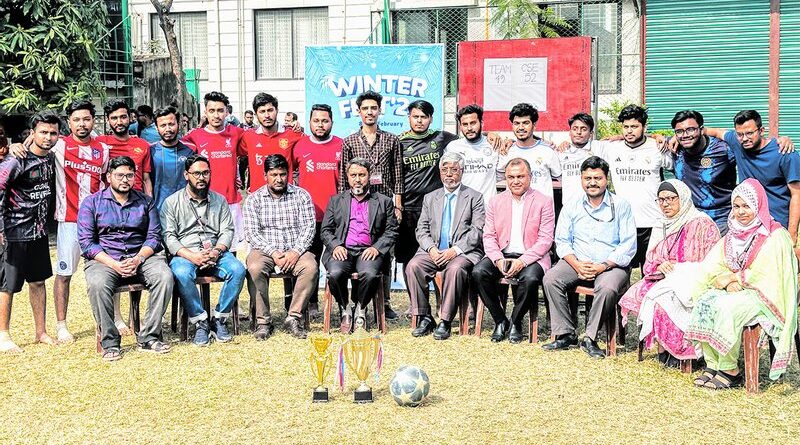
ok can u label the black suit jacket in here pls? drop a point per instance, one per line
(336, 222)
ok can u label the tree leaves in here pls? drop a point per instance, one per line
(50, 51)
(524, 19)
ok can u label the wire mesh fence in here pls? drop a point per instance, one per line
(614, 23)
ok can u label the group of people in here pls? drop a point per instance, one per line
(715, 256)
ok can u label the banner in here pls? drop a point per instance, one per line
(336, 75)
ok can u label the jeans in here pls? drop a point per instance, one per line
(228, 268)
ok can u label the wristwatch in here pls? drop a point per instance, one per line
(141, 259)
(605, 263)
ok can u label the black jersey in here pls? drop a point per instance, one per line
(421, 154)
(26, 187)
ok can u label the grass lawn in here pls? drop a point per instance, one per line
(257, 392)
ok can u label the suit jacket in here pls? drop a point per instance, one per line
(466, 228)
(336, 222)
(538, 227)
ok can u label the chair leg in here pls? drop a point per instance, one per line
(621, 328)
(611, 335)
(686, 366)
(378, 302)
(533, 319)
(479, 318)
(437, 279)
(640, 351)
(587, 306)
(205, 297)
(173, 319)
(326, 309)
(750, 344)
(136, 298)
(98, 337)
(253, 313)
(235, 316)
(463, 314)
(184, 314)
(573, 301)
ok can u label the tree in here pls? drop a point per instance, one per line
(49, 52)
(524, 19)
(182, 99)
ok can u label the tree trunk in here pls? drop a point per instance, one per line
(182, 100)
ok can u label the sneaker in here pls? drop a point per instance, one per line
(201, 333)
(294, 327)
(155, 346)
(221, 331)
(263, 332)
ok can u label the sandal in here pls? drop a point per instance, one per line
(725, 381)
(705, 377)
(112, 354)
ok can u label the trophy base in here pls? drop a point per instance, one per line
(363, 396)
(320, 395)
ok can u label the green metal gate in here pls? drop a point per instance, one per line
(711, 55)
(789, 116)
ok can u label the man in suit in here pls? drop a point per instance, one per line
(517, 237)
(449, 234)
(358, 230)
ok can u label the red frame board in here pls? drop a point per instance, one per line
(569, 89)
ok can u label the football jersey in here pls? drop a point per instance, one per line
(221, 148)
(135, 148)
(421, 154)
(79, 169)
(25, 190)
(258, 144)
(544, 163)
(318, 169)
(636, 174)
(480, 169)
(571, 160)
(168, 165)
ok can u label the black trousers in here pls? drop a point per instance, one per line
(486, 279)
(369, 277)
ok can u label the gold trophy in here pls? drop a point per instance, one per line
(360, 352)
(321, 360)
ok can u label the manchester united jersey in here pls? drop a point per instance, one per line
(258, 144)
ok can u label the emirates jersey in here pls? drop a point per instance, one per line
(79, 170)
(258, 144)
(135, 148)
(222, 149)
(318, 169)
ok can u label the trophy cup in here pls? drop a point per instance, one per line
(360, 351)
(321, 360)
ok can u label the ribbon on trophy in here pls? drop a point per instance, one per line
(340, 369)
(379, 363)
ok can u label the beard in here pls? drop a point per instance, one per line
(201, 192)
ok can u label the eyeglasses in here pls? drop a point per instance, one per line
(666, 200)
(121, 176)
(447, 170)
(747, 134)
(691, 131)
(202, 174)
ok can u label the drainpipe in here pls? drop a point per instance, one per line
(240, 74)
(219, 50)
(643, 48)
(774, 65)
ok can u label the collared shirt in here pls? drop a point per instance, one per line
(386, 157)
(358, 228)
(516, 243)
(120, 230)
(181, 227)
(283, 223)
(607, 232)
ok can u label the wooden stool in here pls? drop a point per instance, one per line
(463, 327)
(377, 304)
(533, 313)
(134, 290)
(613, 322)
(750, 336)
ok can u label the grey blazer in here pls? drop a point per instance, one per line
(467, 226)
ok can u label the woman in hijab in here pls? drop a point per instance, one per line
(749, 277)
(685, 236)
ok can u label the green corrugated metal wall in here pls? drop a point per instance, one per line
(709, 55)
(789, 117)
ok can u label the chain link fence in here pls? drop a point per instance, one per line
(614, 23)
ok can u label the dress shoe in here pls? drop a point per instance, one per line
(442, 331)
(590, 347)
(389, 313)
(425, 326)
(313, 311)
(562, 342)
(294, 326)
(263, 332)
(346, 325)
(515, 334)
(500, 331)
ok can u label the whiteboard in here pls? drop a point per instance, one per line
(507, 82)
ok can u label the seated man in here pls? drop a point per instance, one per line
(517, 237)
(279, 225)
(449, 233)
(119, 233)
(596, 240)
(358, 230)
(198, 232)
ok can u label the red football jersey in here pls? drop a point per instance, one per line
(258, 144)
(78, 172)
(318, 168)
(136, 148)
(222, 150)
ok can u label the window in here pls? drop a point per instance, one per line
(192, 33)
(604, 21)
(281, 38)
(448, 26)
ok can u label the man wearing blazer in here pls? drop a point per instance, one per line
(358, 230)
(449, 233)
(517, 237)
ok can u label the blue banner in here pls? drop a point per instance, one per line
(336, 75)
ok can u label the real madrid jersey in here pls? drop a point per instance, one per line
(571, 160)
(636, 174)
(480, 171)
(544, 164)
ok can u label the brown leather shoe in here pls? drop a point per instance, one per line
(294, 326)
